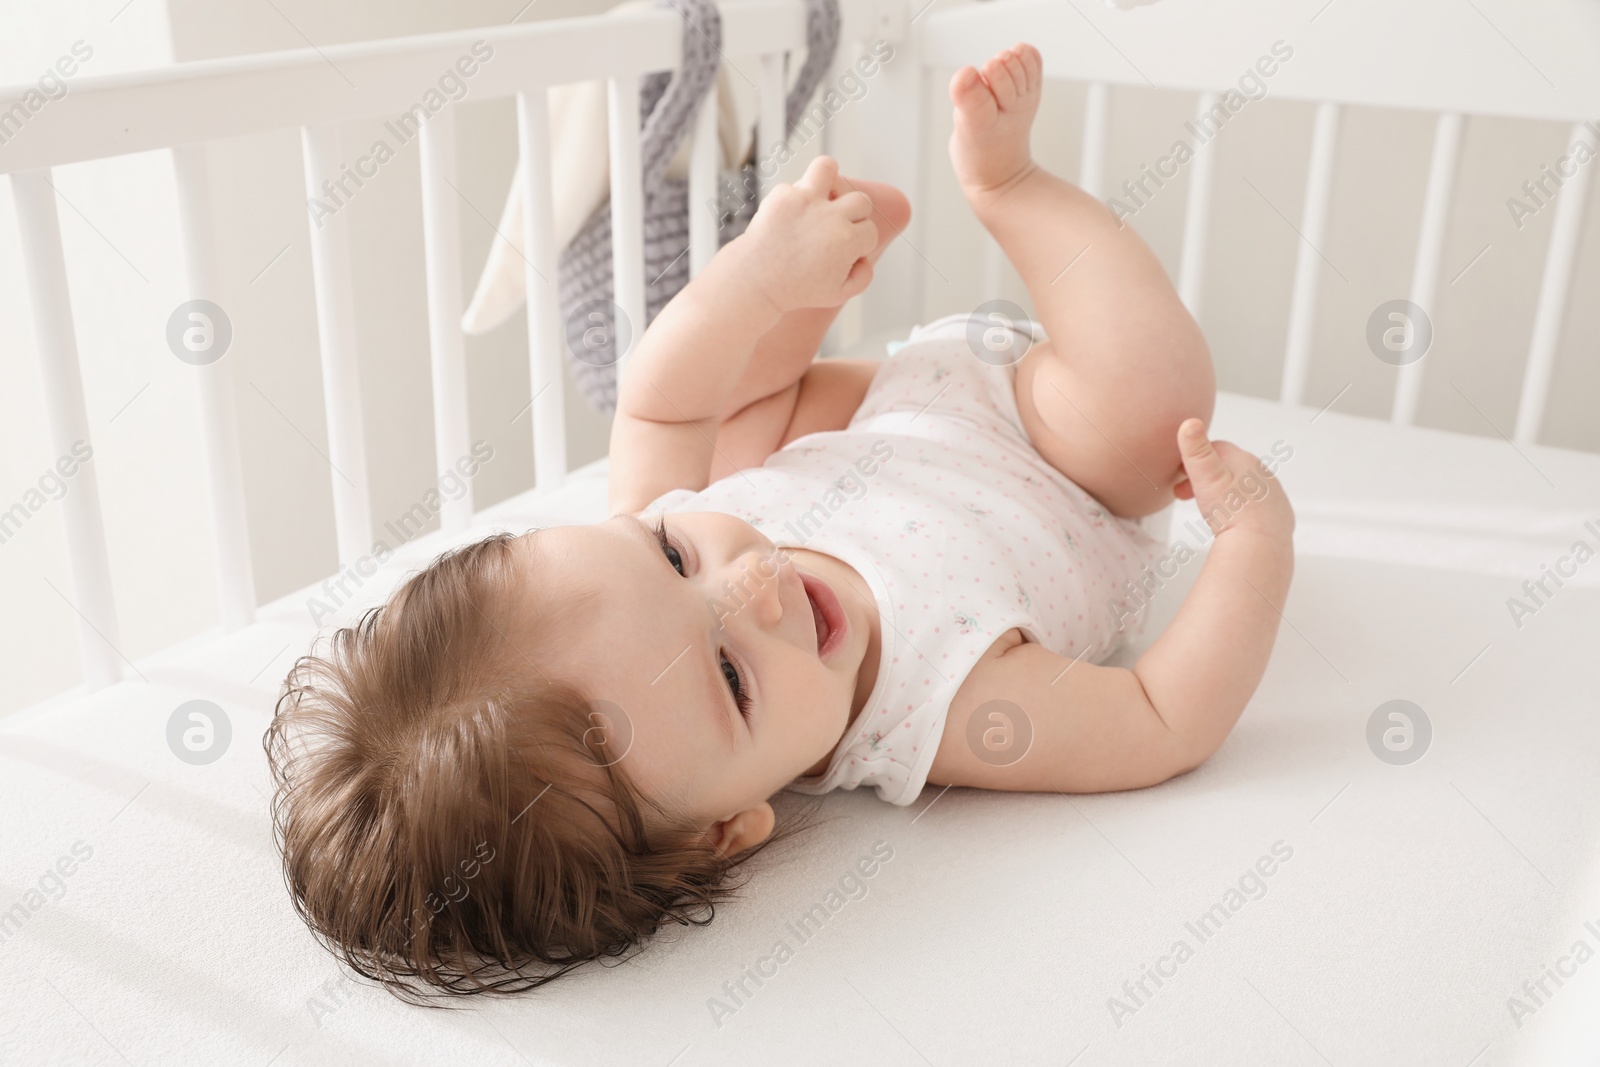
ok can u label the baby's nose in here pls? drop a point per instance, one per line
(767, 576)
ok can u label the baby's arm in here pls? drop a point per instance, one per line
(788, 352)
(803, 249)
(786, 391)
(1102, 728)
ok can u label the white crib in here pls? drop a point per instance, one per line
(1422, 904)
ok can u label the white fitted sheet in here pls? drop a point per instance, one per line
(1417, 899)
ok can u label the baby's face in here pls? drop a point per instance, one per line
(679, 636)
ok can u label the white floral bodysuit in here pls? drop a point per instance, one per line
(935, 494)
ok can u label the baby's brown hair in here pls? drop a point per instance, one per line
(451, 819)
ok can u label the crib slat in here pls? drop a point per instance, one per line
(1092, 164)
(1430, 249)
(336, 335)
(1308, 260)
(236, 587)
(890, 148)
(841, 139)
(770, 124)
(844, 55)
(705, 157)
(441, 239)
(1553, 292)
(1197, 216)
(545, 333)
(627, 209)
(916, 232)
(40, 232)
(994, 266)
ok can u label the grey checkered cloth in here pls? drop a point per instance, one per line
(666, 111)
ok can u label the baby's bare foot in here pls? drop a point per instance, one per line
(994, 111)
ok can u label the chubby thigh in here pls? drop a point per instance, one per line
(1120, 450)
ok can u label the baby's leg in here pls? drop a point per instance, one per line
(785, 351)
(1125, 363)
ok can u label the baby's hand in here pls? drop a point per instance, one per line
(1230, 486)
(809, 241)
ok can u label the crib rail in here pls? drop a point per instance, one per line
(1419, 56)
(185, 106)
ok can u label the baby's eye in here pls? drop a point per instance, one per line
(673, 557)
(736, 684)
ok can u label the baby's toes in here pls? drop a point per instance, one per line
(1032, 65)
(1017, 70)
(1000, 78)
(970, 95)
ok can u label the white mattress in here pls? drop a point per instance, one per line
(1417, 900)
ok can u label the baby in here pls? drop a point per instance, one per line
(817, 575)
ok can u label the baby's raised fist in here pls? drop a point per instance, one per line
(810, 240)
(1232, 489)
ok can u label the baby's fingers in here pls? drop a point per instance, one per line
(1207, 471)
(857, 281)
(1229, 484)
(863, 237)
(856, 205)
(1211, 476)
(819, 176)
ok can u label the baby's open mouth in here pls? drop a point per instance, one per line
(817, 617)
(827, 614)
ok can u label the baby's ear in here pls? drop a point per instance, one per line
(745, 830)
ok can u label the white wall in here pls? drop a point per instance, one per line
(126, 277)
